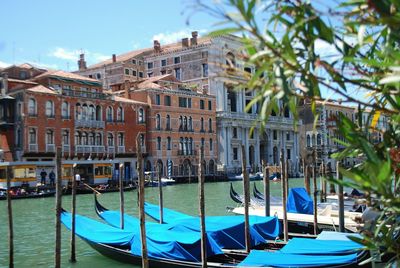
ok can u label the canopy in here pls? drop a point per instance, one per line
(299, 201)
(259, 258)
(309, 246)
(161, 242)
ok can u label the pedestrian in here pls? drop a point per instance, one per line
(52, 178)
(43, 175)
(77, 178)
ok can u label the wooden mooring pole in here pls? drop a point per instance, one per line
(160, 194)
(202, 209)
(57, 260)
(284, 198)
(121, 197)
(145, 262)
(322, 182)
(73, 212)
(246, 192)
(10, 219)
(315, 193)
(341, 199)
(266, 188)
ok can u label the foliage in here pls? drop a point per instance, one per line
(349, 49)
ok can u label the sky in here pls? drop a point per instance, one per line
(52, 33)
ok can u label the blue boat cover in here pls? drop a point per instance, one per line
(260, 258)
(268, 227)
(308, 246)
(169, 215)
(331, 235)
(161, 242)
(227, 231)
(299, 201)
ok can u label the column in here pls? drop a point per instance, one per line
(228, 147)
(257, 148)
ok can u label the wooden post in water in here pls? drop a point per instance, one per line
(322, 182)
(10, 219)
(324, 174)
(145, 262)
(306, 178)
(58, 210)
(121, 197)
(315, 193)
(284, 198)
(332, 189)
(73, 212)
(246, 193)
(202, 209)
(266, 188)
(160, 194)
(341, 199)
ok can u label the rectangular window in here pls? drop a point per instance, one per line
(182, 102)
(235, 153)
(150, 65)
(234, 133)
(209, 105)
(178, 73)
(164, 62)
(127, 71)
(133, 61)
(202, 104)
(158, 99)
(134, 72)
(288, 136)
(177, 60)
(205, 70)
(288, 154)
(275, 134)
(167, 100)
(189, 103)
(141, 74)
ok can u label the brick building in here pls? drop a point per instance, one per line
(95, 129)
(180, 121)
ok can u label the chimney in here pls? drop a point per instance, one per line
(193, 40)
(114, 58)
(157, 46)
(126, 89)
(185, 42)
(4, 88)
(339, 101)
(81, 62)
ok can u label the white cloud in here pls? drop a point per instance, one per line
(73, 54)
(4, 64)
(167, 37)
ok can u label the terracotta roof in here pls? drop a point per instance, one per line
(121, 57)
(67, 75)
(41, 89)
(121, 99)
(178, 45)
(21, 81)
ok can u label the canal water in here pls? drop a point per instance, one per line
(34, 220)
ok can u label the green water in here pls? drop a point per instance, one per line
(34, 221)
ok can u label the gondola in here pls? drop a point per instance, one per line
(240, 199)
(30, 195)
(85, 190)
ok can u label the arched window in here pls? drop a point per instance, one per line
(78, 112)
(186, 146)
(211, 167)
(109, 116)
(99, 139)
(319, 139)
(168, 143)
(158, 143)
(78, 138)
(32, 136)
(180, 122)
(50, 136)
(168, 122)
(181, 145)
(65, 137)
(49, 109)
(142, 141)
(120, 114)
(191, 146)
(92, 112)
(190, 123)
(91, 138)
(158, 121)
(85, 112)
(110, 139)
(121, 140)
(99, 115)
(202, 124)
(141, 115)
(65, 110)
(308, 141)
(209, 125)
(85, 138)
(313, 143)
(202, 142)
(32, 107)
(185, 123)
(211, 145)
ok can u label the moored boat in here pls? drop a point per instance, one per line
(18, 194)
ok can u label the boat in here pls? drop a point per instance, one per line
(18, 194)
(276, 176)
(103, 188)
(252, 177)
(171, 249)
(228, 231)
(164, 182)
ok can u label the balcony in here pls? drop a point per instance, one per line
(66, 148)
(84, 94)
(33, 148)
(98, 149)
(89, 124)
(111, 149)
(50, 148)
(187, 152)
(89, 149)
(121, 149)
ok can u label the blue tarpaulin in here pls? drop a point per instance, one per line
(161, 242)
(308, 246)
(299, 201)
(259, 258)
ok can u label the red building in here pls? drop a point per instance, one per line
(44, 110)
